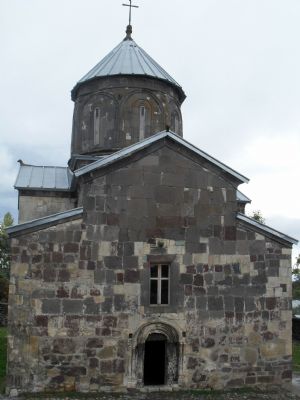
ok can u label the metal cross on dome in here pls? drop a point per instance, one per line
(130, 7)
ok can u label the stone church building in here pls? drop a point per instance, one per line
(135, 266)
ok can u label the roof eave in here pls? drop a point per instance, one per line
(128, 151)
(179, 89)
(44, 222)
(267, 230)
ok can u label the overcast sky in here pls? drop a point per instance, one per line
(238, 62)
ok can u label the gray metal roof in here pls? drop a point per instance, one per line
(266, 229)
(242, 198)
(127, 151)
(44, 178)
(129, 59)
(39, 223)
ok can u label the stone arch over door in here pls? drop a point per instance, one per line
(173, 353)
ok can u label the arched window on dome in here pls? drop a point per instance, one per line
(142, 122)
(97, 125)
(175, 122)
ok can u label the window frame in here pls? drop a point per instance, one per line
(159, 279)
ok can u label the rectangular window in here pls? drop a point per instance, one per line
(159, 284)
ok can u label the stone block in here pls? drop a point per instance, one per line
(72, 306)
(50, 306)
(215, 303)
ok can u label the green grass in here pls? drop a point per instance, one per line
(296, 356)
(3, 334)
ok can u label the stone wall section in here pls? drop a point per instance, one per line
(38, 205)
(78, 295)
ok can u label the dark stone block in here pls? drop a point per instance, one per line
(190, 269)
(130, 262)
(188, 290)
(260, 279)
(63, 275)
(215, 303)
(250, 304)
(271, 303)
(236, 268)
(128, 249)
(106, 306)
(96, 343)
(90, 307)
(49, 274)
(198, 291)
(110, 321)
(195, 247)
(57, 257)
(41, 320)
(186, 279)
(37, 258)
(113, 262)
(75, 293)
(288, 374)
(119, 302)
(239, 304)
(64, 346)
(213, 291)
(132, 276)
(51, 306)
(93, 362)
(229, 303)
(106, 367)
(62, 292)
(208, 277)
(192, 363)
(201, 303)
(207, 343)
(198, 280)
(118, 366)
(230, 233)
(190, 303)
(73, 371)
(72, 306)
(71, 248)
(236, 383)
(91, 265)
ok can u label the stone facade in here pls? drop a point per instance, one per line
(79, 306)
(139, 268)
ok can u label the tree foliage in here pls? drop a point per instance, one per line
(4, 246)
(296, 279)
(257, 215)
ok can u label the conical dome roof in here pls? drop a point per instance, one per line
(129, 59)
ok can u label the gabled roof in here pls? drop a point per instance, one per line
(41, 223)
(267, 230)
(129, 59)
(44, 178)
(128, 151)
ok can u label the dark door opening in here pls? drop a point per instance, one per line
(155, 360)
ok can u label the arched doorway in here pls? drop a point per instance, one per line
(155, 360)
(156, 355)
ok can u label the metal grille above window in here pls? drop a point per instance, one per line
(159, 284)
